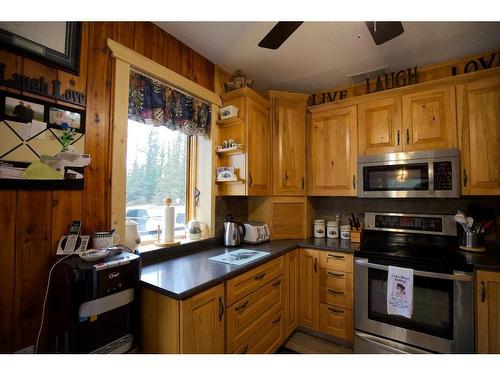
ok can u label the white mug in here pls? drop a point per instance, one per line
(104, 240)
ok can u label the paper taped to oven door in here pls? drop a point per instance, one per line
(400, 291)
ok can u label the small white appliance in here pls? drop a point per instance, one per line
(256, 232)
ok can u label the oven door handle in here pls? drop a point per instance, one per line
(457, 275)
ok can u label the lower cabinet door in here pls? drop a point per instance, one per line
(267, 339)
(202, 322)
(336, 321)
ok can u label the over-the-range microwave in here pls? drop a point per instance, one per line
(417, 174)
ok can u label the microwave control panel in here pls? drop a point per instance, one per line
(443, 176)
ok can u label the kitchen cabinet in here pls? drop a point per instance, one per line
(255, 309)
(251, 129)
(202, 322)
(379, 126)
(292, 271)
(332, 152)
(336, 294)
(195, 325)
(478, 111)
(286, 216)
(429, 119)
(288, 118)
(309, 289)
(488, 312)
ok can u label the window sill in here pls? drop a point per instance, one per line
(183, 241)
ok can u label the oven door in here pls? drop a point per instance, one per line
(443, 315)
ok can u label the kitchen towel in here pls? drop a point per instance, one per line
(400, 291)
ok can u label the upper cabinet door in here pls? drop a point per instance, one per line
(259, 149)
(478, 105)
(379, 126)
(289, 147)
(429, 120)
(332, 152)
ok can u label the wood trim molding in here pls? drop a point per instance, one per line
(451, 81)
(161, 73)
(202, 167)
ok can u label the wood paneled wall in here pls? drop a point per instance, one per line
(31, 222)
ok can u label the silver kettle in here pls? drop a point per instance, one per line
(233, 232)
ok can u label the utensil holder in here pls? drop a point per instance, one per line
(472, 242)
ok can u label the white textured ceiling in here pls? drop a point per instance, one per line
(320, 55)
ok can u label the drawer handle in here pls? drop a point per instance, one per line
(315, 265)
(334, 274)
(260, 276)
(241, 307)
(483, 291)
(335, 292)
(277, 320)
(221, 309)
(336, 256)
(335, 311)
(245, 349)
(277, 283)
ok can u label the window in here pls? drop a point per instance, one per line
(157, 168)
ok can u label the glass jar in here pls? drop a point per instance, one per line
(319, 228)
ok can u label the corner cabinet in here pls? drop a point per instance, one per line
(288, 118)
(478, 107)
(250, 129)
(332, 151)
(488, 312)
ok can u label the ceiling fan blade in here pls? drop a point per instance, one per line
(384, 31)
(279, 33)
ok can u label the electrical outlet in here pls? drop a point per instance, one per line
(28, 350)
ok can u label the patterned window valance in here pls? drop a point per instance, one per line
(153, 102)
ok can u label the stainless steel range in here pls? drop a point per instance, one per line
(442, 320)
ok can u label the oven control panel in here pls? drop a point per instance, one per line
(423, 224)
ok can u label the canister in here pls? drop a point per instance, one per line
(345, 232)
(319, 228)
(332, 229)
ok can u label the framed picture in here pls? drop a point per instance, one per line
(52, 43)
(21, 108)
(59, 117)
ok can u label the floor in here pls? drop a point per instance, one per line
(303, 343)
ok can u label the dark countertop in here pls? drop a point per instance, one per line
(186, 275)
(488, 260)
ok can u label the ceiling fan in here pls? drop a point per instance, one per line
(381, 32)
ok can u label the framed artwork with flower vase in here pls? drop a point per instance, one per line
(35, 133)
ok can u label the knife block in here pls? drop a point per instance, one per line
(356, 235)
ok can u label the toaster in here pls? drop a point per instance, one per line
(256, 232)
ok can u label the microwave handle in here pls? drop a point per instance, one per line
(457, 276)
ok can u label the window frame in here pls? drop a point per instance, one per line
(201, 173)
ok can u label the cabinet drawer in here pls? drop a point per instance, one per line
(336, 321)
(335, 260)
(336, 297)
(336, 279)
(267, 339)
(243, 285)
(249, 314)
